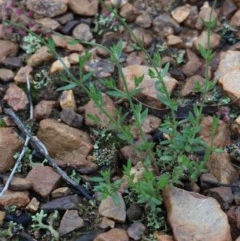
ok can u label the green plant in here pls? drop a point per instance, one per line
(106, 187)
(30, 43)
(11, 230)
(2, 123)
(38, 223)
(41, 79)
(106, 20)
(175, 157)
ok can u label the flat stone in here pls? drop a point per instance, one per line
(82, 32)
(113, 235)
(33, 205)
(220, 166)
(128, 12)
(173, 40)
(62, 203)
(10, 143)
(67, 100)
(7, 49)
(18, 183)
(106, 223)
(71, 118)
(91, 109)
(162, 23)
(142, 36)
(135, 58)
(144, 20)
(160, 236)
(109, 209)
(64, 142)
(229, 60)
(16, 98)
(18, 199)
(40, 56)
(148, 94)
(43, 109)
(65, 18)
(234, 21)
(60, 65)
(205, 13)
(83, 7)
(228, 9)
(181, 13)
(51, 8)
(231, 85)
(63, 42)
(221, 138)
(49, 23)
(223, 195)
(13, 62)
(61, 192)
(189, 86)
(215, 40)
(43, 186)
(70, 222)
(6, 75)
(188, 214)
(136, 231)
(22, 74)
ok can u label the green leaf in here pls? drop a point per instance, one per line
(157, 60)
(116, 198)
(202, 51)
(165, 70)
(96, 179)
(151, 73)
(138, 80)
(87, 76)
(163, 181)
(94, 118)
(117, 93)
(51, 44)
(68, 87)
(166, 158)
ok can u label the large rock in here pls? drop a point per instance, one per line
(18, 199)
(221, 138)
(231, 85)
(220, 166)
(42, 55)
(229, 60)
(43, 186)
(63, 142)
(70, 221)
(108, 208)
(148, 94)
(234, 22)
(47, 8)
(91, 109)
(215, 40)
(16, 98)
(10, 143)
(195, 217)
(115, 234)
(7, 49)
(83, 7)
